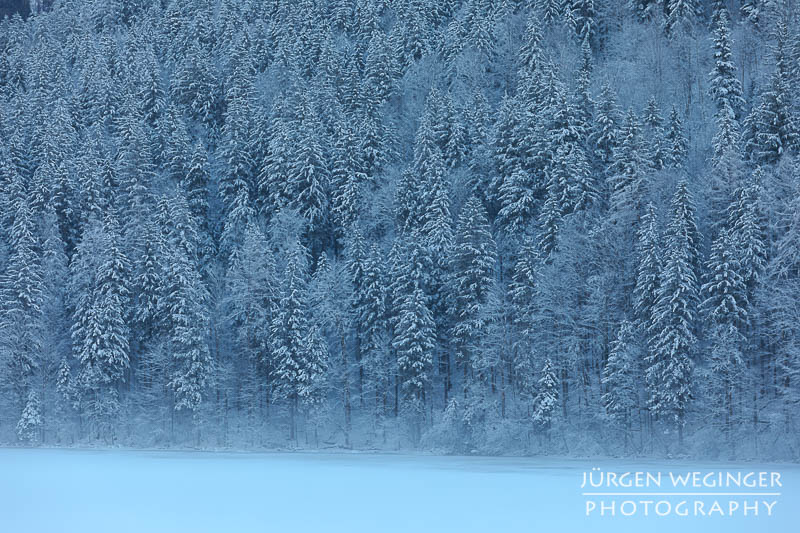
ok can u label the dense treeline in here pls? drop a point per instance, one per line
(467, 225)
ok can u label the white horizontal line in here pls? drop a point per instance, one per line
(680, 493)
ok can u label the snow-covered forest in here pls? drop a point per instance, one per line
(490, 226)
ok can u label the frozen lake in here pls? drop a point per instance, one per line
(65, 491)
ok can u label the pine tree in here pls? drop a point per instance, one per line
(726, 89)
(773, 126)
(620, 377)
(195, 183)
(252, 294)
(670, 364)
(628, 182)
(473, 266)
(605, 136)
(530, 53)
(747, 227)
(648, 269)
(371, 309)
(583, 17)
(677, 145)
(522, 291)
(192, 363)
(726, 311)
(727, 139)
(29, 426)
(22, 300)
(546, 401)
(414, 341)
(584, 103)
(515, 188)
(681, 15)
(309, 179)
(100, 283)
(725, 291)
(549, 11)
(654, 132)
(550, 222)
(299, 358)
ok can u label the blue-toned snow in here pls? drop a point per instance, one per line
(65, 491)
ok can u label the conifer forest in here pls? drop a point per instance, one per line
(546, 227)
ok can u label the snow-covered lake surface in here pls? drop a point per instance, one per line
(65, 491)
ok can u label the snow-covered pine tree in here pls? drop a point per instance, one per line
(30, 423)
(725, 308)
(621, 377)
(648, 269)
(773, 126)
(546, 401)
(677, 145)
(670, 363)
(22, 299)
(746, 220)
(415, 341)
(550, 222)
(549, 11)
(308, 176)
(583, 17)
(726, 88)
(298, 355)
(473, 265)
(606, 135)
(654, 133)
(628, 182)
(681, 16)
(725, 292)
(185, 304)
(100, 333)
(252, 300)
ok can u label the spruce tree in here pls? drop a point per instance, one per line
(677, 145)
(773, 126)
(605, 135)
(670, 363)
(546, 401)
(648, 269)
(473, 266)
(414, 341)
(620, 377)
(726, 89)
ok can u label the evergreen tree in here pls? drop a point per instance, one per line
(546, 400)
(29, 426)
(583, 16)
(648, 270)
(629, 187)
(473, 266)
(725, 291)
(308, 178)
(773, 126)
(654, 132)
(299, 355)
(677, 145)
(100, 334)
(681, 15)
(22, 300)
(726, 89)
(746, 223)
(725, 309)
(605, 136)
(620, 377)
(670, 364)
(415, 341)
